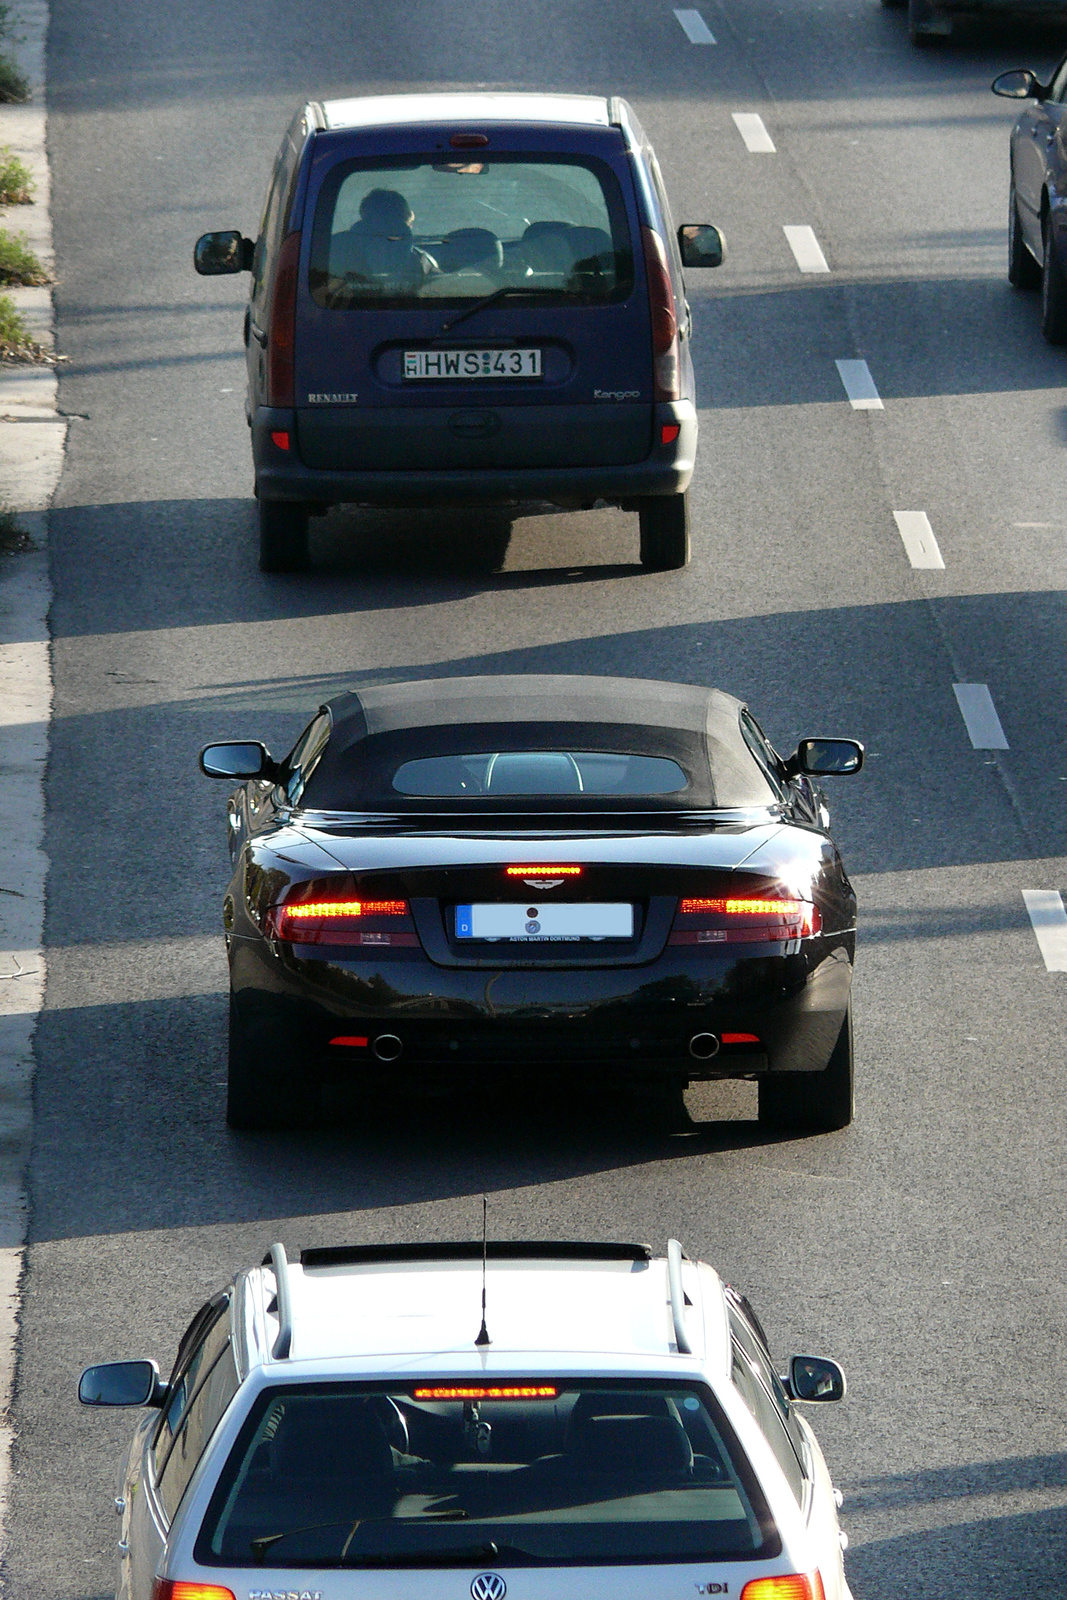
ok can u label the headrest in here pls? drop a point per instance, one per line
(330, 1438)
(533, 772)
(646, 1446)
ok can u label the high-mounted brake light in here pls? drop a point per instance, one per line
(281, 337)
(506, 1391)
(743, 921)
(469, 141)
(544, 872)
(788, 1586)
(342, 922)
(665, 358)
(177, 1589)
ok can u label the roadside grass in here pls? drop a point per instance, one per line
(14, 86)
(16, 341)
(16, 180)
(18, 264)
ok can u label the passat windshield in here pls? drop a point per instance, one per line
(467, 225)
(513, 1472)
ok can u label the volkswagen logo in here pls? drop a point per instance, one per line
(488, 1586)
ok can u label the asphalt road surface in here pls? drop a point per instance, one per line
(925, 1246)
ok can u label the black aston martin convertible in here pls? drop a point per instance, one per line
(541, 881)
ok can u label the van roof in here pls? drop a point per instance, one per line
(381, 110)
(421, 1311)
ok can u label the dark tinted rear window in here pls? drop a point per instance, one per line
(558, 1473)
(460, 226)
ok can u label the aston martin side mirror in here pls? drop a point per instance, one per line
(826, 758)
(701, 245)
(815, 1378)
(122, 1383)
(244, 758)
(1019, 84)
(216, 254)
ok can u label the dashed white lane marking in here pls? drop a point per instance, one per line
(918, 536)
(980, 715)
(806, 249)
(1050, 926)
(859, 386)
(694, 27)
(750, 126)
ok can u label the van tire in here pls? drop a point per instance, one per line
(283, 536)
(664, 522)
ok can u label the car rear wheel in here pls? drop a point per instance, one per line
(283, 536)
(1053, 292)
(813, 1102)
(266, 1078)
(1023, 270)
(664, 521)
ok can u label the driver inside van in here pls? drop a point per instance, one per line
(380, 247)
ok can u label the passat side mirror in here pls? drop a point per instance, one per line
(122, 1383)
(701, 245)
(815, 1378)
(216, 254)
(826, 758)
(1019, 84)
(244, 758)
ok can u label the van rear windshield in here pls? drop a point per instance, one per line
(516, 1472)
(459, 227)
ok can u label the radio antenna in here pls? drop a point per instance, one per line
(483, 1332)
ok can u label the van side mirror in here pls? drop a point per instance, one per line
(244, 758)
(825, 758)
(122, 1383)
(815, 1378)
(216, 254)
(701, 245)
(1020, 84)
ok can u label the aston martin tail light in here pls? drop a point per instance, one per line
(343, 921)
(787, 1586)
(727, 920)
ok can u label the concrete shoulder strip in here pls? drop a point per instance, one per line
(32, 441)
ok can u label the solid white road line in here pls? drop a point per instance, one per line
(750, 126)
(806, 248)
(980, 715)
(859, 386)
(1050, 926)
(918, 536)
(694, 27)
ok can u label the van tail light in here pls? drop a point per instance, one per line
(665, 357)
(788, 1586)
(281, 335)
(334, 919)
(178, 1589)
(744, 920)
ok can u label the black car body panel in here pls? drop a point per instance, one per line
(666, 997)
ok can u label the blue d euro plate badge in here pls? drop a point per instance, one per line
(545, 924)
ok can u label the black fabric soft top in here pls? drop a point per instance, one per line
(375, 729)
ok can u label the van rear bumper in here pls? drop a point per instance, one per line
(667, 469)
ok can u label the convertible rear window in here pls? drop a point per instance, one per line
(541, 772)
(464, 225)
(554, 1473)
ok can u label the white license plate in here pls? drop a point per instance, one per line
(461, 365)
(532, 923)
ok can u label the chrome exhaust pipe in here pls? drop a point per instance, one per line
(702, 1046)
(387, 1047)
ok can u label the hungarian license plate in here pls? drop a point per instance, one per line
(552, 924)
(464, 364)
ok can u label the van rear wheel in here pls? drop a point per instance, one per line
(664, 521)
(283, 536)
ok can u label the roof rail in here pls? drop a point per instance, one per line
(677, 1294)
(276, 1258)
(471, 1250)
